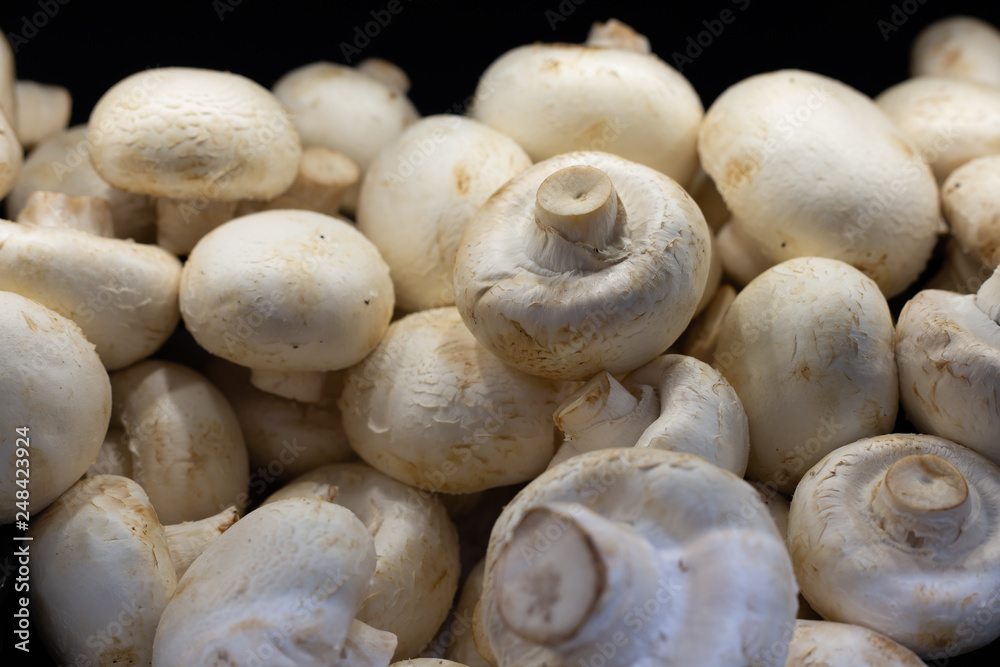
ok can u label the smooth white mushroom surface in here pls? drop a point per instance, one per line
(415, 207)
(194, 133)
(898, 533)
(431, 407)
(56, 209)
(970, 198)
(43, 111)
(808, 347)
(826, 644)
(958, 46)
(416, 572)
(581, 263)
(811, 167)
(55, 405)
(635, 549)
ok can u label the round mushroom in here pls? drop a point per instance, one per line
(582, 263)
(43, 111)
(970, 198)
(959, 46)
(897, 533)
(844, 645)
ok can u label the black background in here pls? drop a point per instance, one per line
(88, 45)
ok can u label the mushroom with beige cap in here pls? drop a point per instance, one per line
(582, 263)
(416, 572)
(958, 46)
(759, 143)
(43, 111)
(897, 533)
(104, 569)
(948, 355)
(415, 215)
(290, 294)
(281, 587)
(633, 548)
(610, 94)
(55, 404)
(808, 347)
(828, 644)
(431, 407)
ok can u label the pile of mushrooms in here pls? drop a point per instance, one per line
(282, 371)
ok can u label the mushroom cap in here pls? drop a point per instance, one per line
(419, 195)
(858, 566)
(558, 98)
(122, 295)
(970, 198)
(433, 408)
(950, 120)
(62, 164)
(52, 383)
(958, 46)
(287, 290)
(726, 584)
(101, 573)
(948, 355)
(416, 574)
(185, 133)
(844, 645)
(812, 167)
(573, 324)
(185, 441)
(818, 335)
(287, 579)
(42, 111)
(11, 155)
(8, 80)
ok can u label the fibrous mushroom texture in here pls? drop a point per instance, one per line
(416, 572)
(958, 46)
(289, 294)
(826, 644)
(948, 354)
(970, 197)
(281, 587)
(630, 554)
(780, 147)
(433, 408)
(420, 193)
(186, 133)
(582, 263)
(808, 347)
(898, 533)
(54, 388)
(558, 98)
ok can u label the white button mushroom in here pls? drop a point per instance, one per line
(584, 262)
(415, 210)
(826, 644)
(898, 533)
(186, 133)
(183, 438)
(290, 294)
(55, 405)
(808, 347)
(433, 408)
(416, 574)
(948, 355)
(281, 587)
(632, 550)
(959, 46)
(557, 98)
(811, 167)
(970, 198)
(43, 111)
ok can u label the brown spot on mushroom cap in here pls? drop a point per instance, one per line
(463, 177)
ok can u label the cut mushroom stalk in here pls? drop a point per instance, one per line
(187, 540)
(55, 209)
(988, 297)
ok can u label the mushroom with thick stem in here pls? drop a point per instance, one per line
(416, 573)
(123, 295)
(55, 404)
(897, 533)
(610, 94)
(948, 355)
(591, 541)
(104, 569)
(844, 645)
(462, 162)
(674, 402)
(759, 142)
(282, 586)
(816, 334)
(959, 46)
(433, 408)
(184, 442)
(43, 111)
(582, 263)
(290, 294)
(56, 209)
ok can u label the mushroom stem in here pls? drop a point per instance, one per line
(603, 413)
(988, 296)
(579, 221)
(387, 72)
(324, 177)
(302, 386)
(55, 209)
(569, 575)
(187, 540)
(614, 34)
(924, 500)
